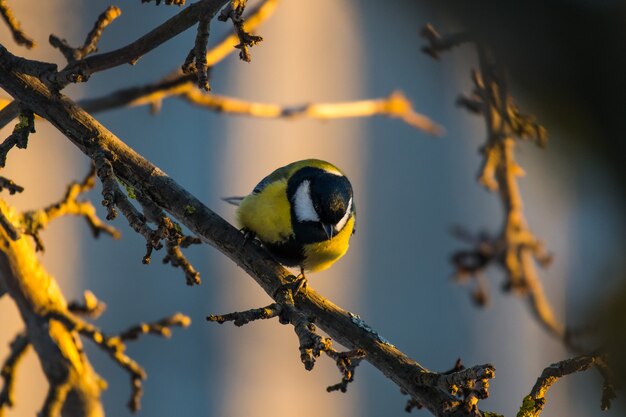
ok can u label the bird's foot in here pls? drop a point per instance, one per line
(248, 235)
(300, 283)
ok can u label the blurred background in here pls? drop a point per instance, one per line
(566, 66)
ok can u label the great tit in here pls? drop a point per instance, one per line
(303, 213)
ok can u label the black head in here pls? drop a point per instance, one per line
(321, 203)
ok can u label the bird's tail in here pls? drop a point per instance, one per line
(235, 200)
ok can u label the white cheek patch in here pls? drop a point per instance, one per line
(341, 223)
(303, 205)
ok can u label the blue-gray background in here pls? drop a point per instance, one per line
(410, 189)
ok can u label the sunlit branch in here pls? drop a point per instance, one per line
(18, 34)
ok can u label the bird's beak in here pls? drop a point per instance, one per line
(329, 229)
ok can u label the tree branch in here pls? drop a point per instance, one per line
(516, 248)
(34, 221)
(534, 402)
(18, 34)
(91, 42)
(19, 347)
(8, 184)
(154, 92)
(81, 70)
(396, 105)
(19, 137)
(114, 345)
(74, 387)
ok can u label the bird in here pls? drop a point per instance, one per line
(303, 213)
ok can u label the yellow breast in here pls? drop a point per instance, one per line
(267, 213)
(319, 256)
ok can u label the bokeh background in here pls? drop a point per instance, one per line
(565, 65)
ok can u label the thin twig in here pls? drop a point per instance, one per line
(81, 70)
(114, 345)
(534, 402)
(234, 12)
(93, 37)
(240, 318)
(160, 328)
(167, 2)
(19, 347)
(196, 61)
(34, 221)
(89, 306)
(395, 105)
(166, 231)
(173, 84)
(18, 34)
(19, 138)
(6, 183)
(57, 393)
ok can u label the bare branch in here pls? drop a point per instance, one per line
(346, 363)
(34, 221)
(395, 105)
(438, 44)
(196, 61)
(8, 227)
(167, 2)
(234, 12)
(166, 230)
(240, 318)
(91, 42)
(159, 328)
(19, 347)
(311, 344)
(516, 248)
(114, 345)
(81, 70)
(534, 402)
(19, 137)
(18, 34)
(175, 83)
(57, 393)
(10, 185)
